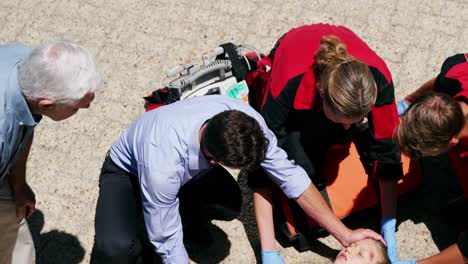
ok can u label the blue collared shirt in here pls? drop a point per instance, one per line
(16, 121)
(163, 150)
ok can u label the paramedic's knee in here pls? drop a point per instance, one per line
(116, 248)
(222, 212)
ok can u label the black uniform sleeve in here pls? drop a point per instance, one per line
(446, 85)
(278, 114)
(380, 155)
(463, 243)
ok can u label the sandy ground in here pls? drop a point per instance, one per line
(136, 42)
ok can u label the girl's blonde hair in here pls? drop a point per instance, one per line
(348, 86)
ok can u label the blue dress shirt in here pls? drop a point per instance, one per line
(16, 121)
(162, 149)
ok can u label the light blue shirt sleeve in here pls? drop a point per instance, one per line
(160, 175)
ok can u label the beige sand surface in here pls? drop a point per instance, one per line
(136, 41)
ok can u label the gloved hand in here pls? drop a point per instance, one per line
(271, 257)
(388, 232)
(402, 106)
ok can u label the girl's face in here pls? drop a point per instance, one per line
(365, 251)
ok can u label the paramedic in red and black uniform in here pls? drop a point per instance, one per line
(433, 124)
(322, 85)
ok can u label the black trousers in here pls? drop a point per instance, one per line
(120, 232)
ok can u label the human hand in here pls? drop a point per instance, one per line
(359, 234)
(25, 200)
(271, 257)
(402, 106)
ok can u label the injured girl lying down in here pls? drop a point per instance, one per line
(365, 251)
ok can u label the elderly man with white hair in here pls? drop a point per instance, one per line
(55, 79)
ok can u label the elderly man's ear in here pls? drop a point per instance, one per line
(454, 141)
(45, 106)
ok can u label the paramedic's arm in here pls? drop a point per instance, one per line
(451, 255)
(24, 197)
(276, 115)
(441, 83)
(262, 202)
(380, 154)
(383, 163)
(388, 197)
(159, 178)
(426, 87)
(295, 183)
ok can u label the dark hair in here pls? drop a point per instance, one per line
(429, 125)
(236, 140)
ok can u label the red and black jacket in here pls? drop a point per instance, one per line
(453, 80)
(453, 77)
(291, 87)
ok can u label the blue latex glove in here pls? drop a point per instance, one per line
(271, 257)
(388, 232)
(402, 106)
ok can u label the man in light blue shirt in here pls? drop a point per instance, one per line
(34, 82)
(174, 145)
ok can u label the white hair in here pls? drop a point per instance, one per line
(60, 71)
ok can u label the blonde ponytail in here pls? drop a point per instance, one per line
(348, 86)
(332, 52)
